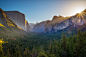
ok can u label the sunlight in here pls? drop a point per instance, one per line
(2, 25)
(77, 10)
(79, 20)
(0, 41)
(80, 17)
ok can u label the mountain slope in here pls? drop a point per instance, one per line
(56, 19)
(31, 25)
(8, 27)
(42, 26)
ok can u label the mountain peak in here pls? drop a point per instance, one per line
(55, 16)
(1, 10)
(60, 16)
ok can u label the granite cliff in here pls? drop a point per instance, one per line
(8, 27)
(19, 19)
(55, 20)
(5, 20)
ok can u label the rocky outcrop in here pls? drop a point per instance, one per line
(19, 19)
(56, 20)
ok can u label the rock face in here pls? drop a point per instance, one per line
(19, 19)
(8, 27)
(74, 21)
(47, 25)
(27, 27)
(39, 27)
(56, 20)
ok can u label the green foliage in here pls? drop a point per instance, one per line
(41, 54)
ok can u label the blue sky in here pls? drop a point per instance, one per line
(41, 10)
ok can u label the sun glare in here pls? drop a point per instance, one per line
(77, 10)
(80, 16)
(0, 41)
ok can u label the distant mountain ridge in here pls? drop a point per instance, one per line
(31, 25)
(59, 23)
(75, 21)
(39, 27)
(42, 26)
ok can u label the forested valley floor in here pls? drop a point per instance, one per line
(44, 45)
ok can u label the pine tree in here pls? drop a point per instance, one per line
(79, 44)
(63, 42)
(71, 44)
(8, 54)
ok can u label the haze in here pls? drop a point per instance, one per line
(41, 10)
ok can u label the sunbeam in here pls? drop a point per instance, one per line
(80, 18)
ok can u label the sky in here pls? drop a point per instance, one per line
(41, 10)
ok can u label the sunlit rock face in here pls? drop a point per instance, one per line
(27, 27)
(55, 20)
(62, 25)
(78, 22)
(19, 19)
(79, 18)
(5, 20)
(55, 24)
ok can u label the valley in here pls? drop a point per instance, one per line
(59, 37)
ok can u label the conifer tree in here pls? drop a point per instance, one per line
(8, 53)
